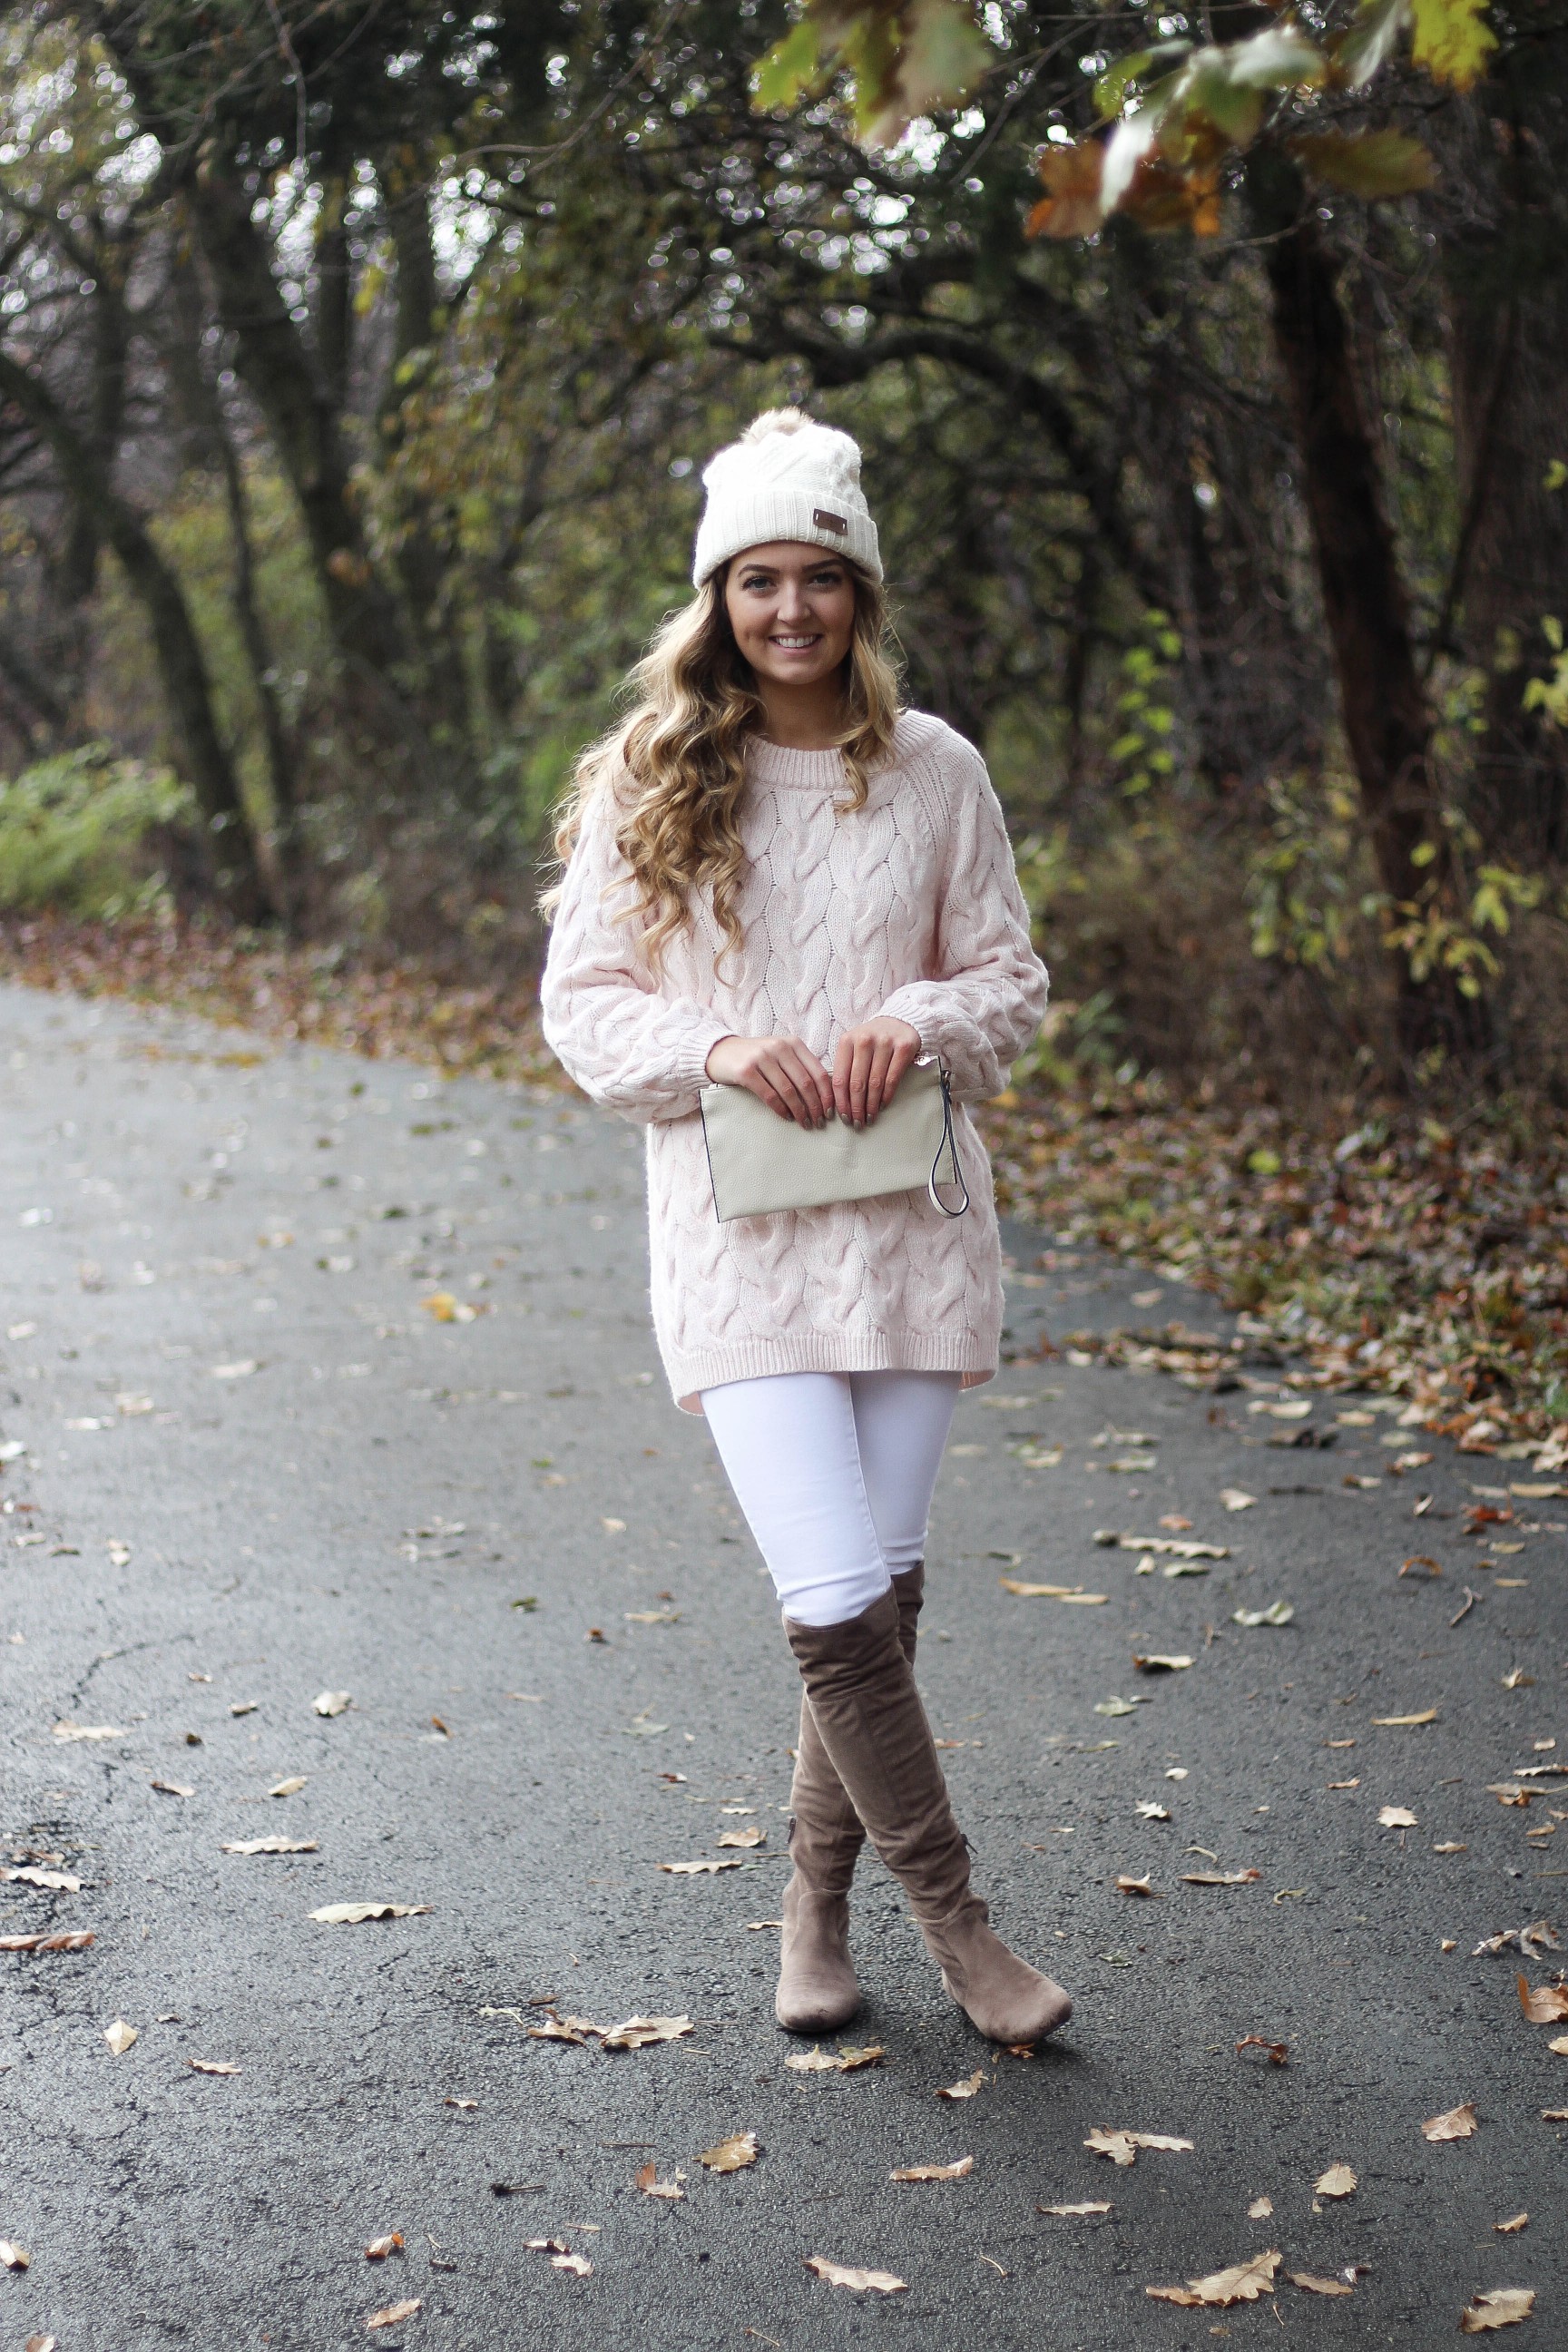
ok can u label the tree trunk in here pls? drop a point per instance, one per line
(288, 389)
(180, 659)
(1507, 163)
(1383, 706)
(214, 442)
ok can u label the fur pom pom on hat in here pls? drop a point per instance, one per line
(786, 478)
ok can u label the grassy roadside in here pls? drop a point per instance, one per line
(1400, 1253)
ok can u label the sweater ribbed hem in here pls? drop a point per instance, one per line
(872, 1351)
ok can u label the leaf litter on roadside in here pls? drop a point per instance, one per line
(858, 2282)
(842, 2061)
(731, 2155)
(349, 1915)
(1458, 2123)
(967, 2089)
(1542, 2004)
(395, 2312)
(650, 2185)
(1503, 2306)
(1338, 2182)
(1242, 2283)
(958, 2170)
(273, 1845)
(1122, 2146)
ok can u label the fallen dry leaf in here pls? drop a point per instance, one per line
(394, 2313)
(1558, 2047)
(1505, 2306)
(1515, 1679)
(1338, 2182)
(560, 2029)
(1071, 2212)
(1279, 2051)
(1219, 1877)
(967, 2088)
(289, 1788)
(442, 1306)
(331, 1702)
(964, 2165)
(1396, 1817)
(1154, 1664)
(173, 1789)
(42, 2344)
(211, 2066)
(578, 2265)
(1459, 2123)
(1319, 2285)
(1260, 2208)
(1277, 1612)
(77, 1939)
(1050, 1591)
(273, 1845)
(1236, 1499)
(59, 1881)
(13, 2257)
(698, 1869)
(349, 1915)
(1148, 1810)
(731, 2155)
(120, 2036)
(1177, 1546)
(842, 2061)
(640, 2032)
(1243, 2283)
(1509, 2228)
(379, 2248)
(90, 1732)
(244, 1706)
(1125, 1885)
(1121, 2147)
(859, 2281)
(649, 2181)
(1405, 1722)
(750, 1836)
(1542, 2004)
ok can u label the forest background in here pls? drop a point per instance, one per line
(358, 362)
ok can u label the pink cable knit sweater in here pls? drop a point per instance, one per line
(909, 906)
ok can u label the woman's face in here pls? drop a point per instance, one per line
(792, 608)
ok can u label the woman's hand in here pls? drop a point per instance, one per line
(867, 1064)
(780, 1072)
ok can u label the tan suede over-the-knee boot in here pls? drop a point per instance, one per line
(818, 1992)
(867, 1709)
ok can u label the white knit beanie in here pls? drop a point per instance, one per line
(785, 477)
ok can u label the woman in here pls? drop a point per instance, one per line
(776, 880)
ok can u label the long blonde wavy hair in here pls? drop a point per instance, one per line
(676, 767)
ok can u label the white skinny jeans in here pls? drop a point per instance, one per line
(835, 1472)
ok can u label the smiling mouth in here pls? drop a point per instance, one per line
(794, 645)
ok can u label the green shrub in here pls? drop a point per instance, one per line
(79, 832)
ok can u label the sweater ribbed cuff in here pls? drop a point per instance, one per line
(692, 1061)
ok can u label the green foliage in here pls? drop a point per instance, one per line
(899, 59)
(1550, 695)
(76, 832)
(1141, 751)
(1301, 898)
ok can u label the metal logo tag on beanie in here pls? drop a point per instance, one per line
(823, 520)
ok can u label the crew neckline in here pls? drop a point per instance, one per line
(781, 763)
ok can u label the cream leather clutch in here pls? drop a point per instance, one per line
(760, 1164)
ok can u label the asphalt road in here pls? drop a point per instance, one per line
(254, 1469)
